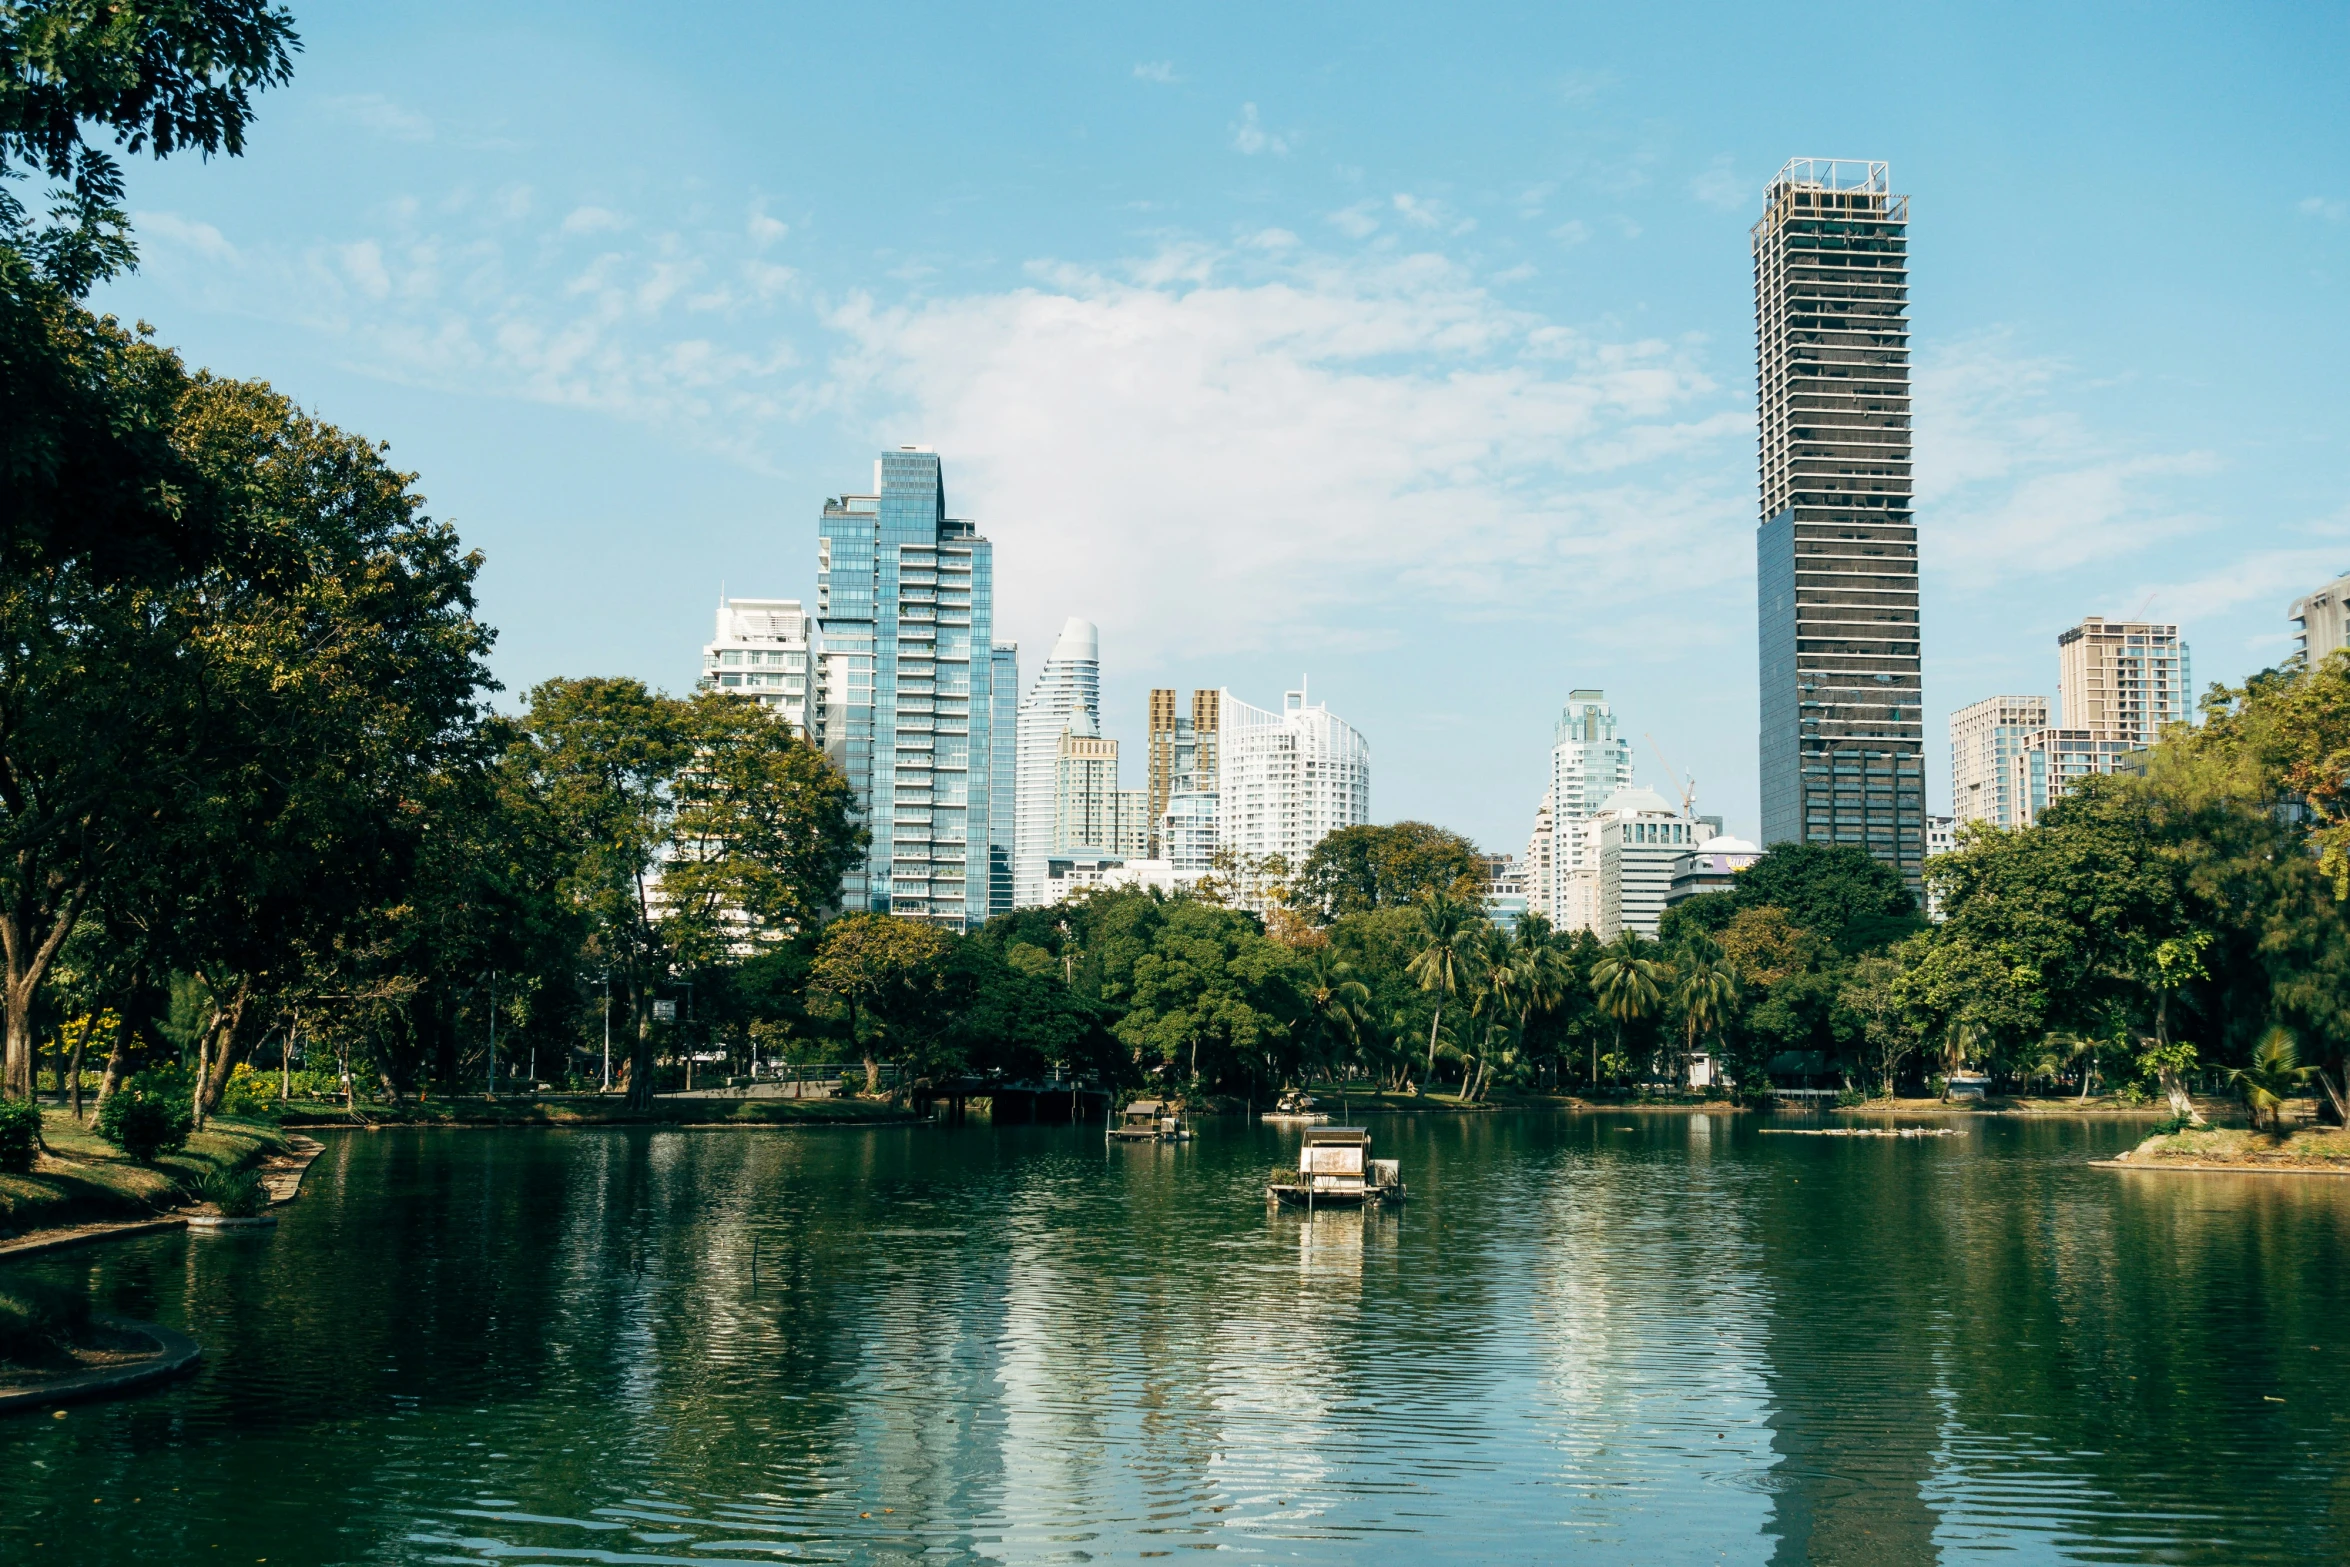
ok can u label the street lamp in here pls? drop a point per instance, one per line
(607, 1030)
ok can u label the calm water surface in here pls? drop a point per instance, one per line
(1636, 1338)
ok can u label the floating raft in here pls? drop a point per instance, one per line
(1862, 1131)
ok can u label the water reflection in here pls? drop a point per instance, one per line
(1627, 1337)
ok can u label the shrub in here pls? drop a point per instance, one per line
(144, 1124)
(2132, 1094)
(39, 1323)
(249, 1093)
(20, 1135)
(237, 1193)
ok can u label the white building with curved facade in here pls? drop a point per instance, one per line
(1287, 780)
(1067, 687)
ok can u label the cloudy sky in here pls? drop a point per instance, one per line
(1405, 348)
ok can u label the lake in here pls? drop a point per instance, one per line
(1608, 1337)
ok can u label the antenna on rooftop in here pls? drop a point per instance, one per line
(1688, 786)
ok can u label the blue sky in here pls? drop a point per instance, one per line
(1410, 348)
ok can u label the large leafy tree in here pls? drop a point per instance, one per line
(156, 76)
(601, 754)
(761, 834)
(893, 976)
(1357, 869)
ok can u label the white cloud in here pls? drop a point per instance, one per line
(1156, 71)
(1720, 187)
(1327, 446)
(2016, 484)
(593, 220)
(1356, 222)
(1249, 137)
(1571, 233)
(2326, 207)
(764, 230)
(377, 113)
(363, 264)
(185, 233)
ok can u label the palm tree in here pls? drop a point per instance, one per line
(1337, 1000)
(1495, 996)
(2274, 1071)
(1707, 992)
(1543, 969)
(1628, 984)
(1447, 931)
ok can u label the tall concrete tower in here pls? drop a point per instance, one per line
(1843, 734)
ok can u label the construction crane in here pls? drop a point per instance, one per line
(1688, 786)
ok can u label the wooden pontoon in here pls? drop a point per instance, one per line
(1150, 1121)
(1334, 1165)
(1297, 1109)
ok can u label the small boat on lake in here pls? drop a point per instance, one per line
(1334, 1165)
(1150, 1121)
(1295, 1109)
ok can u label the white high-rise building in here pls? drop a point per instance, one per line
(1287, 780)
(2321, 622)
(1069, 685)
(760, 653)
(1637, 837)
(1534, 871)
(1589, 763)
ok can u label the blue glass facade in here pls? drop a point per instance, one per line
(905, 597)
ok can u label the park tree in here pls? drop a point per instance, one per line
(1443, 954)
(601, 753)
(1361, 868)
(760, 834)
(1628, 981)
(892, 976)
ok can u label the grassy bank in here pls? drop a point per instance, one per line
(2308, 1148)
(591, 1110)
(84, 1179)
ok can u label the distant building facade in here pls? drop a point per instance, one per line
(1287, 780)
(1842, 726)
(2122, 679)
(1589, 763)
(2051, 761)
(905, 606)
(1711, 865)
(1182, 779)
(1639, 837)
(1003, 810)
(1985, 737)
(2321, 622)
(1535, 866)
(1068, 687)
(761, 653)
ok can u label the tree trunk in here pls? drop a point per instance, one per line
(224, 1059)
(118, 1056)
(1430, 1074)
(27, 964)
(81, 1040)
(640, 1064)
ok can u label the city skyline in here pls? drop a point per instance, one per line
(1264, 379)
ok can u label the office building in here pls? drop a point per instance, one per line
(1092, 816)
(905, 605)
(2050, 761)
(1984, 739)
(1710, 865)
(1637, 836)
(1003, 774)
(2321, 623)
(1286, 780)
(760, 652)
(1534, 869)
(1182, 754)
(1843, 734)
(2122, 679)
(1589, 764)
(1941, 835)
(1067, 687)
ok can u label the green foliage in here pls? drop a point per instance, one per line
(148, 1116)
(238, 1194)
(20, 1135)
(1357, 869)
(2273, 1075)
(162, 76)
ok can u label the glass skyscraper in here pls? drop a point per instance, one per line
(905, 600)
(1843, 734)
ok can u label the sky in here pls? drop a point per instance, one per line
(1406, 350)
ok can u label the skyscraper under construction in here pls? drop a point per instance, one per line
(1843, 735)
